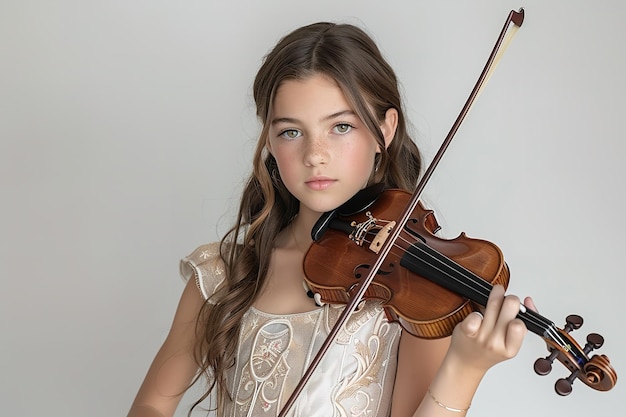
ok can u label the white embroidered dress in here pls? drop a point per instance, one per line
(355, 377)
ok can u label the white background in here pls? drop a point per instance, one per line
(126, 129)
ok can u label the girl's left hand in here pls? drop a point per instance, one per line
(479, 342)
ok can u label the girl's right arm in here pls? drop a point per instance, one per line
(174, 367)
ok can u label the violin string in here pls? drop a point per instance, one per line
(473, 282)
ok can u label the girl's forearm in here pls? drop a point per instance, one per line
(451, 391)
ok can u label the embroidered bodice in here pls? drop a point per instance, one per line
(355, 377)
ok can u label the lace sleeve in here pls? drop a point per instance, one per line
(205, 266)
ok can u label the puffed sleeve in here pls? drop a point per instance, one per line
(205, 266)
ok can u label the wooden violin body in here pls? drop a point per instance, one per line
(424, 308)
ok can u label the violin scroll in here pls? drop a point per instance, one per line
(596, 372)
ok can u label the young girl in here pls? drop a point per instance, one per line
(333, 123)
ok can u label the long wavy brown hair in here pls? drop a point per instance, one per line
(348, 55)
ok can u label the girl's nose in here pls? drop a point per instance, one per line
(316, 152)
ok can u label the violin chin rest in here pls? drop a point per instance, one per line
(356, 204)
(321, 225)
(361, 200)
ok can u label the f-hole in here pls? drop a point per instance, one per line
(362, 270)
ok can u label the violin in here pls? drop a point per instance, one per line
(429, 284)
(381, 245)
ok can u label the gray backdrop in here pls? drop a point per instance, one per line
(126, 129)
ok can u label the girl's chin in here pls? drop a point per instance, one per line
(324, 201)
(320, 207)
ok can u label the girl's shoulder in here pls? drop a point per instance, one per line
(205, 266)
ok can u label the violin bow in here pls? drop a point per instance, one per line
(513, 22)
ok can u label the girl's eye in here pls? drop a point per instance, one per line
(290, 133)
(343, 128)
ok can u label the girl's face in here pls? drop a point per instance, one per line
(325, 154)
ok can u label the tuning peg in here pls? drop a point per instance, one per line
(573, 322)
(594, 341)
(563, 386)
(543, 366)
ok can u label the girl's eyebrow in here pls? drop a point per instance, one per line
(329, 117)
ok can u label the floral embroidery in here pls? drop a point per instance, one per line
(264, 373)
(365, 384)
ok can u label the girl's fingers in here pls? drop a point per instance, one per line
(528, 302)
(509, 308)
(492, 309)
(516, 330)
(500, 324)
(472, 324)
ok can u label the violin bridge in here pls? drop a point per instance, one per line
(381, 237)
(369, 227)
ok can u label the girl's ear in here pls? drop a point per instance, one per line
(389, 126)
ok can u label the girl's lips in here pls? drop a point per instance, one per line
(319, 183)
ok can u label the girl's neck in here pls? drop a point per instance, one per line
(300, 229)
